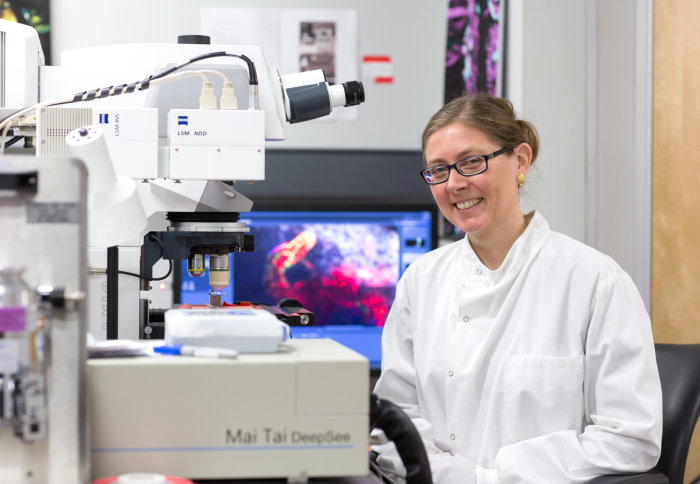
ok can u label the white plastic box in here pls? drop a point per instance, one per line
(300, 412)
(246, 330)
(216, 144)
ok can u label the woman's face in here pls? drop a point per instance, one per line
(482, 204)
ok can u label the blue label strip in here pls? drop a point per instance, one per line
(224, 448)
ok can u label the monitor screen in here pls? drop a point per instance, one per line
(341, 265)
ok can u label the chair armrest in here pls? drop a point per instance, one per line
(651, 477)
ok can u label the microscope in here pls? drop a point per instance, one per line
(185, 149)
(156, 184)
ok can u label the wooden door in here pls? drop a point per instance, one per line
(675, 286)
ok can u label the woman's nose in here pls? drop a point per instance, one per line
(457, 181)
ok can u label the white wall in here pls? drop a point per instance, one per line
(545, 79)
(621, 226)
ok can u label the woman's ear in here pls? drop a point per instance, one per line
(523, 153)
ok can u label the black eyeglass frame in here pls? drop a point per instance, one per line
(454, 165)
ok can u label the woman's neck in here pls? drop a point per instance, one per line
(492, 248)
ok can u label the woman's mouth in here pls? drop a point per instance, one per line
(468, 203)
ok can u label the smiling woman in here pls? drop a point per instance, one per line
(521, 354)
(485, 206)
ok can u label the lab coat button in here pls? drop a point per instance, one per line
(451, 373)
(465, 319)
(452, 436)
(479, 271)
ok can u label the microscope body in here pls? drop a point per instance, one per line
(184, 155)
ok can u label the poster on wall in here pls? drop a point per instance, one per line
(473, 61)
(34, 13)
(316, 45)
(474, 52)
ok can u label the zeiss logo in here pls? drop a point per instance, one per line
(104, 118)
(182, 121)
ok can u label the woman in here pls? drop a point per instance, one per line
(521, 354)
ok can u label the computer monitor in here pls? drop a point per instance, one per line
(343, 265)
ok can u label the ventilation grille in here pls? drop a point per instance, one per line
(54, 123)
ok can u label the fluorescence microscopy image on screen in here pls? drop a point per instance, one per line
(344, 273)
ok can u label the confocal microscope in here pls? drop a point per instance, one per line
(160, 155)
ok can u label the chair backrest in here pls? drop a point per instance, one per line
(679, 369)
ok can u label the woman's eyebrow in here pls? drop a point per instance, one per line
(466, 153)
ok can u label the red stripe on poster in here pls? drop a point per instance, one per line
(376, 58)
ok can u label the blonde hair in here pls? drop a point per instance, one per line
(494, 116)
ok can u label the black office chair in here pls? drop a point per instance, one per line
(679, 369)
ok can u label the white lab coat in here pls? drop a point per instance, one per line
(542, 370)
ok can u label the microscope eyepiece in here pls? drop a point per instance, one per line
(311, 101)
(354, 93)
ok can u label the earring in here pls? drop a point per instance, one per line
(521, 180)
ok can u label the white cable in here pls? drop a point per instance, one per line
(162, 80)
(179, 75)
(214, 73)
(207, 99)
(202, 73)
(5, 125)
(228, 97)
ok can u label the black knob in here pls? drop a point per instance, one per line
(354, 93)
(193, 39)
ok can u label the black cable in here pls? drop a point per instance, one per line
(251, 68)
(154, 238)
(145, 83)
(191, 61)
(12, 141)
(397, 426)
(252, 72)
(696, 480)
(112, 292)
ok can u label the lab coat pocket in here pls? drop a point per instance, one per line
(542, 394)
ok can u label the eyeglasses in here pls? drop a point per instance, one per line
(467, 167)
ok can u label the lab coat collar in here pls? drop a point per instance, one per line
(522, 250)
